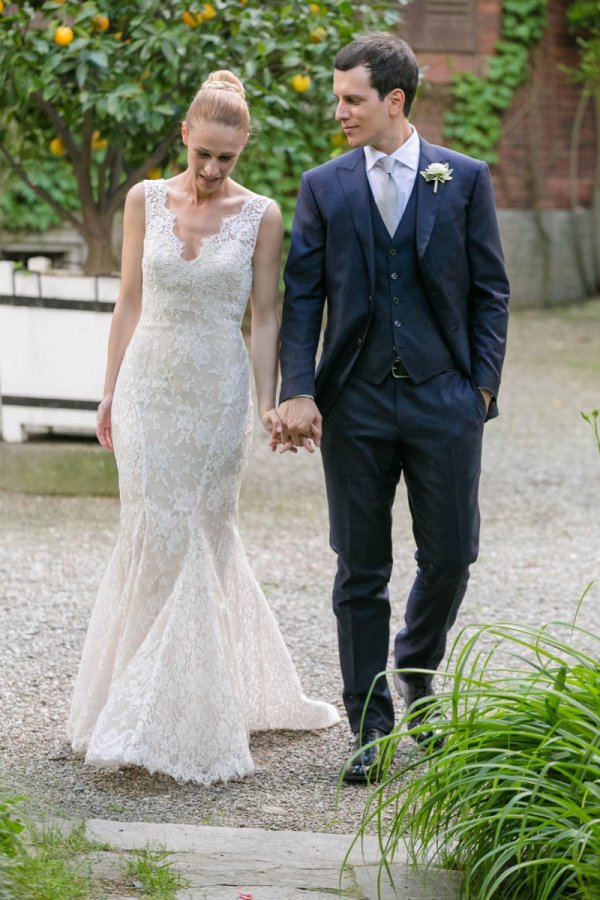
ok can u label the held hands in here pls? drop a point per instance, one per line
(104, 424)
(272, 425)
(302, 425)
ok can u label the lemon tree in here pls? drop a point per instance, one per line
(93, 92)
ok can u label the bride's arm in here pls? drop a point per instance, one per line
(127, 308)
(266, 265)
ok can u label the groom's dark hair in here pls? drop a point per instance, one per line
(390, 60)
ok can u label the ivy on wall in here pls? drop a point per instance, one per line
(473, 122)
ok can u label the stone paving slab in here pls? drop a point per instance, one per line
(221, 863)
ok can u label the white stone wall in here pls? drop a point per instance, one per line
(53, 341)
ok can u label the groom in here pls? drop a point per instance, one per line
(398, 241)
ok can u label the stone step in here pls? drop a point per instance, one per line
(224, 863)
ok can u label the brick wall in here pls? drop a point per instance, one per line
(533, 168)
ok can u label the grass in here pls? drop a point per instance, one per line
(592, 420)
(44, 863)
(151, 874)
(55, 467)
(512, 798)
(52, 863)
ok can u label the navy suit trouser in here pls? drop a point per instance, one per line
(431, 433)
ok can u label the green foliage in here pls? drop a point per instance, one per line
(10, 828)
(584, 15)
(22, 210)
(48, 867)
(152, 875)
(583, 18)
(512, 798)
(473, 122)
(115, 97)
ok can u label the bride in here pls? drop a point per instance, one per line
(183, 657)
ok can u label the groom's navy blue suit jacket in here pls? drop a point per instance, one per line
(332, 260)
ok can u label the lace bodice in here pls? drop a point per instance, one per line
(208, 287)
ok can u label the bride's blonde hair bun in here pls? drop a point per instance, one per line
(221, 99)
(223, 80)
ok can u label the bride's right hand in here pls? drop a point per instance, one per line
(104, 423)
(272, 424)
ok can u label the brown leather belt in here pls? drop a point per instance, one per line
(398, 370)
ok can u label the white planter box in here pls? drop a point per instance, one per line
(53, 341)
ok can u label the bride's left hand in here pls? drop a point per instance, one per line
(272, 424)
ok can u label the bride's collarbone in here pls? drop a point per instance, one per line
(195, 222)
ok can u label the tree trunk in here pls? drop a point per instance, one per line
(100, 256)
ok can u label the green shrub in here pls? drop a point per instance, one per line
(513, 796)
(43, 863)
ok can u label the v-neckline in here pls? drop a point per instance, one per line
(181, 244)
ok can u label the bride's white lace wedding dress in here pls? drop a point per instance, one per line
(183, 657)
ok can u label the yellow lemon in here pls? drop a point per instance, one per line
(243, 2)
(199, 18)
(98, 142)
(189, 19)
(100, 23)
(301, 83)
(338, 139)
(318, 35)
(1, 6)
(154, 173)
(56, 147)
(314, 8)
(63, 36)
(208, 11)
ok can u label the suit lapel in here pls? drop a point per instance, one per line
(427, 201)
(355, 186)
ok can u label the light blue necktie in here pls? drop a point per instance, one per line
(389, 199)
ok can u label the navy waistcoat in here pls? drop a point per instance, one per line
(403, 325)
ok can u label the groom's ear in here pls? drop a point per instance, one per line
(396, 99)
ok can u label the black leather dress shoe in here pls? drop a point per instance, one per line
(421, 714)
(365, 765)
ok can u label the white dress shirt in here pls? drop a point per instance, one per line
(405, 172)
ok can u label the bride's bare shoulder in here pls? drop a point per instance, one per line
(243, 193)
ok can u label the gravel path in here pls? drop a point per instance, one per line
(540, 548)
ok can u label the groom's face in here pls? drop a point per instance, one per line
(365, 118)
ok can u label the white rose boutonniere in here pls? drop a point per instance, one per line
(438, 173)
